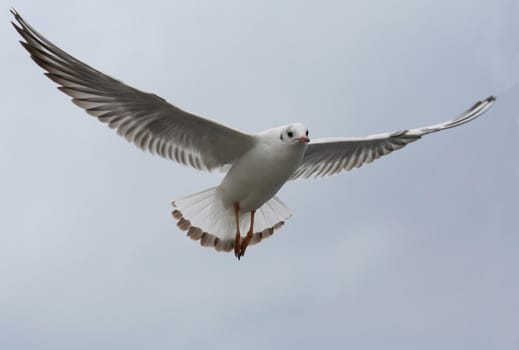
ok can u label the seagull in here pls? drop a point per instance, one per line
(256, 165)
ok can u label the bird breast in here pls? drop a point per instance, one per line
(258, 175)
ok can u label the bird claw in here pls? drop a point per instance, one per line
(243, 246)
(238, 253)
(237, 246)
(240, 245)
(242, 249)
(239, 249)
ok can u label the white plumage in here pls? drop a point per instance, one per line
(257, 165)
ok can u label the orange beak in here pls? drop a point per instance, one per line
(303, 139)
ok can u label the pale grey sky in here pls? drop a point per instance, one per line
(418, 250)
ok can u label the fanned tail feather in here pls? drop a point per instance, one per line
(205, 218)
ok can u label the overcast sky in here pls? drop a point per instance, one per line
(418, 250)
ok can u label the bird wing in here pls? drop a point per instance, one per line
(145, 119)
(330, 156)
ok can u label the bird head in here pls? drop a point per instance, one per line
(294, 133)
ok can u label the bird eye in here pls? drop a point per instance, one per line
(290, 134)
(306, 132)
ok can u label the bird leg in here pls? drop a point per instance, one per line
(247, 238)
(237, 239)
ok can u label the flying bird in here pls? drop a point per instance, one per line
(256, 165)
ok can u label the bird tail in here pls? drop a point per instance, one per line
(205, 218)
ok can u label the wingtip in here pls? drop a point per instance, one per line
(482, 105)
(17, 17)
(488, 103)
(14, 12)
(16, 26)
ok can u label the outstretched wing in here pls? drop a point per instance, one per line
(145, 119)
(330, 156)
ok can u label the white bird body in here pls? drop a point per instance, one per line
(257, 176)
(259, 164)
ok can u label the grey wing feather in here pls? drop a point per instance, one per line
(330, 156)
(145, 119)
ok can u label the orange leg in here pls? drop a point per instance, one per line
(237, 239)
(247, 238)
